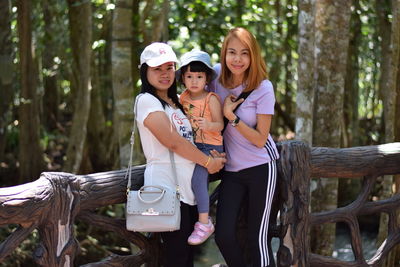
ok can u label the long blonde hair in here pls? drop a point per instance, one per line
(257, 70)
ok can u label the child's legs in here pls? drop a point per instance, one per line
(200, 181)
(200, 188)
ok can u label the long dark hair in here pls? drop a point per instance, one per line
(148, 88)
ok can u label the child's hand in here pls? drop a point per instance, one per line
(203, 123)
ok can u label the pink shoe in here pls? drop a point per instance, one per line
(201, 232)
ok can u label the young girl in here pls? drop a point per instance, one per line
(251, 153)
(205, 114)
(162, 127)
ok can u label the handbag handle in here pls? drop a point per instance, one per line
(128, 173)
(141, 191)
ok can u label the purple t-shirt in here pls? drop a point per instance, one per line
(240, 152)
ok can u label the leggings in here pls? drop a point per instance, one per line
(258, 184)
(200, 179)
(176, 248)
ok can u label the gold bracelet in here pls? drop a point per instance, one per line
(208, 161)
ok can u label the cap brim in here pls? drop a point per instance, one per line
(159, 61)
(178, 74)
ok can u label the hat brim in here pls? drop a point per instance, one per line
(161, 60)
(178, 72)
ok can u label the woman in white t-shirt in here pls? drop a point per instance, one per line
(163, 126)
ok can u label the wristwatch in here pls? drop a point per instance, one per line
(235, 121)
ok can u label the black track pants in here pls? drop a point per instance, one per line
(258, 183)
(176, 248)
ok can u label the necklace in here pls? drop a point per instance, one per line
(171, 103)
(168, 100)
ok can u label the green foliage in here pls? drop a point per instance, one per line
(203, 25)
(12, 136)
(370, 106)
(191, 24)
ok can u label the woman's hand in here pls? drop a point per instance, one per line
(215, 154)
(217, 162)
(230, 103)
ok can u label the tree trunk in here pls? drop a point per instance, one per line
(306, 83)
(98, 135)
(397, 139)
(138, 156)
(274, 72)
(331, 45)
(351, 88)
(397, 115)
(240, 5)
(288, 45)
(30, 152)
(50, 99)
(160, 23)
(6, 71)
(121, 77)
(105, 83)
(349, 188)
(384, 31)
(80, 19)
(388, 81)
(397, 121)
(158, 16)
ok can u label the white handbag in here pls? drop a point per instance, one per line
(152, 208)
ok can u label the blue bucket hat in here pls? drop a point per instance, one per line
(195, 55)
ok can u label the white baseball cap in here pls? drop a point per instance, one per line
(157, 54)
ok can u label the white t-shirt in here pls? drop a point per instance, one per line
(158, 169)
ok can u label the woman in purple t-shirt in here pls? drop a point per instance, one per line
(250, 169)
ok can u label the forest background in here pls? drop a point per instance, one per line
(68, 77)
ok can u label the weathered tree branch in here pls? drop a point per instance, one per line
(114, 225)
(56, 200)
(294, 191)
(118, 261)
(14, 240)
(107, 188)
(355, 162)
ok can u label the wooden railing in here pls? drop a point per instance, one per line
(54, 202)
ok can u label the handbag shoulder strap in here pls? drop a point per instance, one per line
(128, 173)
(174, 173)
